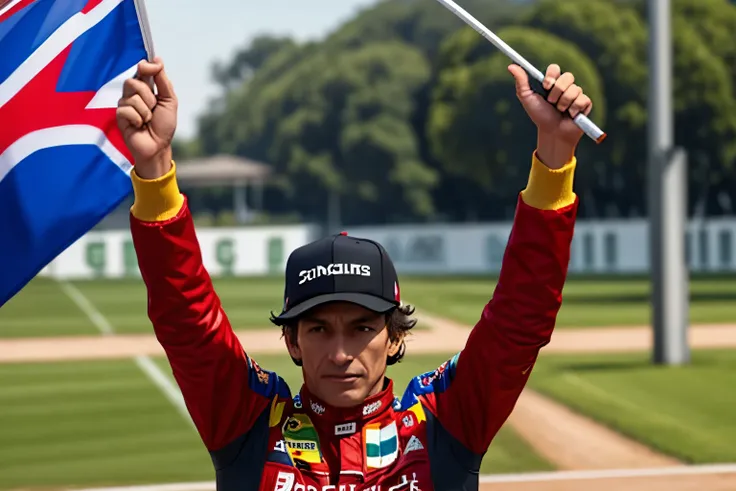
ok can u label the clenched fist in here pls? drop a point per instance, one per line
(148, 120)
(558, 135)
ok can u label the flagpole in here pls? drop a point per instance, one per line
(6, 5)
(140, 8)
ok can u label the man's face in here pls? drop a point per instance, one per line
(343, 348)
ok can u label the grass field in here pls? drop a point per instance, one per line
(43, 309)
(687, 412)
(105, 423)
(624, 300)
(100, 423)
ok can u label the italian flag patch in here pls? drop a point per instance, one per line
(381, 445)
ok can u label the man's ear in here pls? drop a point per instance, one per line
(294, 351)
(396, 352)
(394, 348)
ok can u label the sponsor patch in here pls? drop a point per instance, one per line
(284, 481)
(301, 439)
(414, 444)
(381, 445)
(371, 408)
(334, 269)
(345, 429)
(318, 408)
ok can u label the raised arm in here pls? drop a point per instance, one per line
(224, 390)
(473, 393)
(476, 391)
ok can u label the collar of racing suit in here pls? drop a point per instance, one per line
(372, 408)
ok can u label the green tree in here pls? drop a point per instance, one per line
(246, 61)
(370, 142)
(712, 155)
(406, 114)
(614, 37)
(420, 23)
(705, 116)
(614, 34)
(338, 122)
(227, 127)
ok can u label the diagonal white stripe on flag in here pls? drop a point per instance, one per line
(109, 94)
(9, 6)
(60, 136)
(66, 34)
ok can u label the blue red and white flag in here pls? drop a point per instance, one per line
(63, 164)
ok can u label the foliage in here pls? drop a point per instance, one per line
(406, 114)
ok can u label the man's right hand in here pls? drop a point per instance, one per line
(147, 120)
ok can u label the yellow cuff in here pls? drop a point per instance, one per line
(156, 200)
(549, 189)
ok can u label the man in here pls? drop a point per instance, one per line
(343, 322)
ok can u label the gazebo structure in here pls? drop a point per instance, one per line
(219, 170)
(226, 170)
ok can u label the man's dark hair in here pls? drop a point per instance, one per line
(398, 322)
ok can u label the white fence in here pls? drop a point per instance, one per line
(598, 247)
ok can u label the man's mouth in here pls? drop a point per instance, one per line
(345, 378)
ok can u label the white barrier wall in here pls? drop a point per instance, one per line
(251, 251)
(610, 246)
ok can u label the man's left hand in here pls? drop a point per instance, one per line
(558, 135)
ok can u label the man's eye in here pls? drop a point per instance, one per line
(365, 328)
(317, 329)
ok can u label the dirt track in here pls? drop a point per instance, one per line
(568, 440)
(441, 339)
(572, 441)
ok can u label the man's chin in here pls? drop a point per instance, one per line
(347, 397)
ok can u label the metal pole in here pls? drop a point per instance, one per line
(240, 202)
(334, 218)
(667, 195)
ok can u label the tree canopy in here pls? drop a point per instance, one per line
(406, 114)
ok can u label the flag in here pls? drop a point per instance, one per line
(63, 163)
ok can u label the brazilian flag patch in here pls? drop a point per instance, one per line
(301, 439)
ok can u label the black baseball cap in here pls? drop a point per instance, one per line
(340, 268)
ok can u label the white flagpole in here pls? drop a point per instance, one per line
(140, 7)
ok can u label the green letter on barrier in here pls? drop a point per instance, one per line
(130, 260)
(96, 257)
(225, 251)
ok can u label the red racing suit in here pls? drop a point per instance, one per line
(260, 437)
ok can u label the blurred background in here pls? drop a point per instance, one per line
(394, 121)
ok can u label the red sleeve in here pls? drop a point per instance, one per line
(473, 394)
(224, 390)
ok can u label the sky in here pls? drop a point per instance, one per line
(191, 34)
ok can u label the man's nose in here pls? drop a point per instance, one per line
(339, 354)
